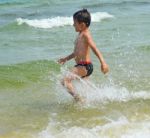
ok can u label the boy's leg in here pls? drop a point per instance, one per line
(67, 81)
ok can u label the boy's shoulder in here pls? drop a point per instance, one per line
(86, 35)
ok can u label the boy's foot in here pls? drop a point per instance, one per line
(79, 99)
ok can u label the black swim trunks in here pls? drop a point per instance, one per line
(88, 66)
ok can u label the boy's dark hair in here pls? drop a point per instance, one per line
(83, 16)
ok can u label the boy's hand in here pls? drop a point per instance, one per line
(104, 68)
(62, 61)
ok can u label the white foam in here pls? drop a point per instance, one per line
(99, 16)
(60, 21)
(73, 132)
(138, 130)
(118, 123)
(78, 132)
(46, 23)
(120, 128)
(45, 134)
(108, 93)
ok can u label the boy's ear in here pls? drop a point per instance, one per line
(83, 24)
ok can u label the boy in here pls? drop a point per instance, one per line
(81, 53)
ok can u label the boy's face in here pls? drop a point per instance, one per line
(77, 26)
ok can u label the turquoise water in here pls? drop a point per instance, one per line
(33, 104)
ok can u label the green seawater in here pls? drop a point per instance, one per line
(34, 104)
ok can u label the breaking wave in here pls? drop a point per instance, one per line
(60, 21)
(127, 129)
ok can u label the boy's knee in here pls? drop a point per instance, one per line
(65, 81)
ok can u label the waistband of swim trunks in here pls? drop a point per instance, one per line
(85, 62)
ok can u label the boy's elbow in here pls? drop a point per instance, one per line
(73, 54)
(95, 50)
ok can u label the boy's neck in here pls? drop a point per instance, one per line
(84, 30)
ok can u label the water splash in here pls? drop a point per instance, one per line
(95, 94)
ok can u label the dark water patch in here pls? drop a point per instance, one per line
(117, 4)
(144, 48)
(40, 5)
(6, 15)
(8, 4)
(12, 16)
(8, 26)
(20, 75)
(13, 26)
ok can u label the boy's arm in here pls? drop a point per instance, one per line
(63, 60)
(104, 66)
(69, 56)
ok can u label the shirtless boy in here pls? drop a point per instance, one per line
(81, 53)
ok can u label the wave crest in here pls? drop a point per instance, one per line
(60, 21)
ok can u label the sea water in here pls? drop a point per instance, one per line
(35, 34)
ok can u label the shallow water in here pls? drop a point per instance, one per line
(33, 104)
